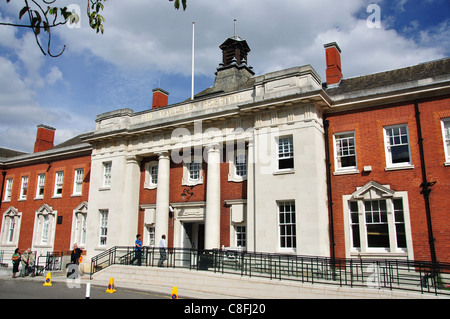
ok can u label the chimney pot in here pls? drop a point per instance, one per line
(45, 138)
(160, 98)
(333, 59)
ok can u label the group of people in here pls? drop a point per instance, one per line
(27, 261)
(27, 257)
(138, 250)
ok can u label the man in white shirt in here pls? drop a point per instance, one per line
(162, 250)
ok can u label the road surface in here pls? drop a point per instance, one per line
(31, 289)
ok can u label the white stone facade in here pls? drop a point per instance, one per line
(282, 106)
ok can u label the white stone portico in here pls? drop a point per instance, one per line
(255, 116)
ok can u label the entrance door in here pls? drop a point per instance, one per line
(193, 234)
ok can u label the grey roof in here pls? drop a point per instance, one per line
(71, 146)
(373, 83)
(7, 153)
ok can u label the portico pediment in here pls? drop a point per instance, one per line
(82, 208)
(45, 209)
(11, 211)
(373, 190)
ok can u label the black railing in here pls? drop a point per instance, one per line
(388, 274)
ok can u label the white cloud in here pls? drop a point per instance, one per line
(54, 75)
(144, 35)
(146, 39)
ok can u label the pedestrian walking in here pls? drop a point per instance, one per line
(75, 255)
(162, 250)
(75, 259)
(137, 251)
(15, 261)
(27, 260)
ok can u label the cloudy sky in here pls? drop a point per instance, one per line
(147, 44)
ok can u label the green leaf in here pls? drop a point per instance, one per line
(53, 11)
(23, 11)
(46, 26)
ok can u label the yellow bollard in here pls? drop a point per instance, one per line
(48, 280)
(174, 293)
(111, 289)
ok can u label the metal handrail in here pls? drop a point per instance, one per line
(421, 276)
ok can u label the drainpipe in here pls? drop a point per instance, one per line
(326, 124)
(3, 186)
(426, 186)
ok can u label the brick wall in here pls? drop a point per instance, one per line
(368, 127)
(63, 205)
(228, 190)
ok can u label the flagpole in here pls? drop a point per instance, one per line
(192, 80)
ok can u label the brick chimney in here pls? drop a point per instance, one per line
(45, 137)
(333, 58)
(160, 98)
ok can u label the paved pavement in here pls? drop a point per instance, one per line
(26, 288)
(61, 288)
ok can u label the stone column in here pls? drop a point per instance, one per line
(212, 214)
(130, 204)
(250, 226)
(162, 198)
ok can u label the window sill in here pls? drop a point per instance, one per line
(237, 179)
(287, 250)
(397, 168)
(284, 172)
(191, 182)
(447, 164)
(377, 254)
(348, 172)
(104, 189)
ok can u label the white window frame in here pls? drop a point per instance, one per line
(45, 226)
(59, 181)
(195, 170)
(445, 123)
(285, 151)
(11, 227)
(151, 175)
(78, 176)
(240, 165)
(388, 147)
(107, 174)
(40, 186)
(24, 188)
(285, 224)
(371, 192)
(240, 235)
(338, 139)
(233, 166)
(103, 227)
(150, 239)
(79, 225)
(187, 173)
(80, 228)
(8, 190)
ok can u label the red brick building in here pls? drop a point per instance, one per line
(45, 195)
(387, 147)
(389, 167)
